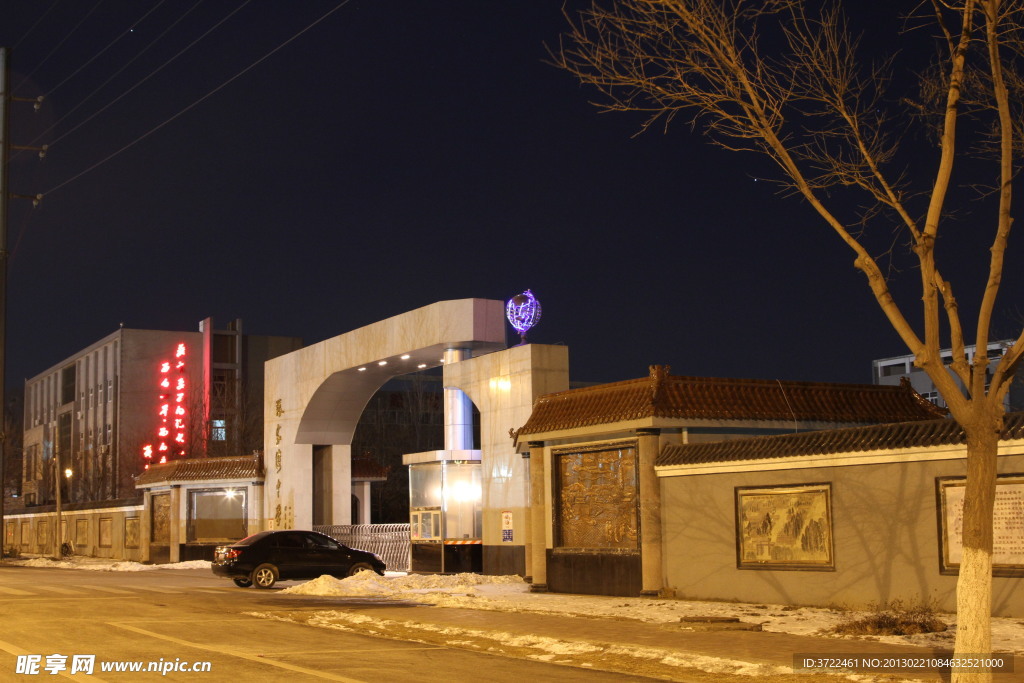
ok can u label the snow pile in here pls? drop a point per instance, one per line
(424, 587)
(96, 564)
(511, 594)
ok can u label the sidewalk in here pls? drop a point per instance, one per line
(661, 650)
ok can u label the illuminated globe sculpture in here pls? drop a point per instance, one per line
(523, 311)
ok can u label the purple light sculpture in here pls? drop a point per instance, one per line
(523, 311)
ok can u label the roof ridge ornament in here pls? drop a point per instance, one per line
(659, 381)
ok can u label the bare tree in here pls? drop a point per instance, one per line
(783, 78)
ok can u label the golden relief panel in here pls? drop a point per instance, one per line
(160, 528)
(598, 498)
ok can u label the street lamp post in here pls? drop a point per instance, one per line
(58, 533)
(56, 485)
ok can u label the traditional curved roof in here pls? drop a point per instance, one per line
(661, 395)
(367, 469)
(202, 469)
(944, 432)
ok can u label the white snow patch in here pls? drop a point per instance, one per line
(103, 565)
(423, 586)
(511, 594)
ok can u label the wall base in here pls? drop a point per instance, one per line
(504, 560)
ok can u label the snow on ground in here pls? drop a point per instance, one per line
(99, 564)
(511, 594)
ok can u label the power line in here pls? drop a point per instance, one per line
(58, 45)
(112, 77)
(152, 73)
(199, 101)
(109, 45)
(33, 26)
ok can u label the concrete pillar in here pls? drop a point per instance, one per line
(650, 512)
(340, 493)
(177, 524)
(528, 523)
(458, 409)
(257, 518)
(538, 519)
(362, 492)
(145, 526)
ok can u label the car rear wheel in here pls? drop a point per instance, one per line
(358, 568)
(264, 576)
(243, 583)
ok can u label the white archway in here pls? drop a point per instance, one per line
(313, 398)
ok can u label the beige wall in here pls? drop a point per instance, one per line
(885, 529)
(33, 533)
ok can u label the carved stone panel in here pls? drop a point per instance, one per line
(161, 522)
(597, 501)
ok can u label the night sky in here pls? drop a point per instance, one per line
(392, 155)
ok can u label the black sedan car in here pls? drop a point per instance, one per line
(264, 558)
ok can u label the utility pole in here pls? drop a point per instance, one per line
(5, 98)
(58, 531)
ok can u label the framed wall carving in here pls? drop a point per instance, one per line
(597, 497)
(1007, 524)
(106, 532)
(131, 532)
(81, 532)
(160, 522)
(784, 527)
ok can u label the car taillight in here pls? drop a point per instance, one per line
(231, 553)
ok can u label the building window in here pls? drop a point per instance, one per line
(218, 430)
(896, 369)
(67, 385)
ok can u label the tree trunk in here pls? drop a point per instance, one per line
(974, 587)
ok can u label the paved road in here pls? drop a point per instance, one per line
(181, 617)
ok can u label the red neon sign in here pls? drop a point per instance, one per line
(170, 432)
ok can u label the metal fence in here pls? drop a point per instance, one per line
(390, 541)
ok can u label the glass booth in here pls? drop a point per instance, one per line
(446, 511)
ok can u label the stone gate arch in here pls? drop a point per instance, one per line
(314, 397)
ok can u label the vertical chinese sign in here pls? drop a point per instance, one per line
(172, 413)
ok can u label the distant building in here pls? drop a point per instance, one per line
(888, 371)
(139, 397)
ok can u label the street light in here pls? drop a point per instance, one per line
(58, 533)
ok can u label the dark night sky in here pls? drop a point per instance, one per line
(394, 155)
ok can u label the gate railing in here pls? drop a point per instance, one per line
(390, 541)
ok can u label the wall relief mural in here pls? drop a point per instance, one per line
(597, 497)
(788, 527)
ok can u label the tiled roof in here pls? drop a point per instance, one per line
(200, 469)
(709, 398)
(943, 432)
(366, 469)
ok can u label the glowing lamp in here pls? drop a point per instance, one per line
(523, 312)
